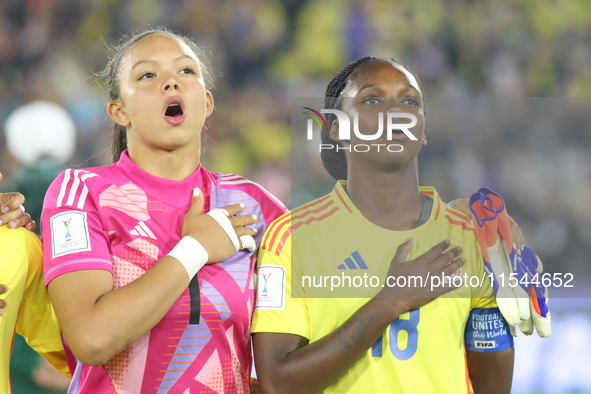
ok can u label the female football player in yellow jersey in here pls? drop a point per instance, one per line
(24, 303)
(304, 344)
(13, 216)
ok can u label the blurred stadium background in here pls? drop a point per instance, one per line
(264, 52)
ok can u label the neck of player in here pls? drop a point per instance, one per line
(389, 199)
(175, 165)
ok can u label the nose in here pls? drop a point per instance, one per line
(169, 86)
(394, 104)
(170, 82)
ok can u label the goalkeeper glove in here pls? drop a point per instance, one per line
(529, 266)
(523, 303)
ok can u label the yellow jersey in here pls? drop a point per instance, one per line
(28, 311)
(302, 251)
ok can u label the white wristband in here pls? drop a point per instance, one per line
(191, 254)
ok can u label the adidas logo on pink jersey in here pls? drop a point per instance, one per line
(142, 230)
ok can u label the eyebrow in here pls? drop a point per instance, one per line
(152, 61)
(371, 85)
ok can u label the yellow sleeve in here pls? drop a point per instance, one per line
(482, 296)
(280, 306)
(36, 320)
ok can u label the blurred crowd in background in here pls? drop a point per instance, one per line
(264, 52)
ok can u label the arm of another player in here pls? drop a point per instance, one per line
(283, 359)
(491, 373)
(47, 377)
(3, 289)
(11, 212)
(36, 320)
(487, 338)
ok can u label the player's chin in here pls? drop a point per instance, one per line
(402, 157)
(178, 138)
(390, 163)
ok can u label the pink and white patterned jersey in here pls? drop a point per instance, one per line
(121, 219)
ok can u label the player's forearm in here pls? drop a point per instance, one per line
(121, 316)
(491, 373)
(134, 309)
(323, 362)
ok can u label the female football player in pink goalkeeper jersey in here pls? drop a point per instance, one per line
(152, 294)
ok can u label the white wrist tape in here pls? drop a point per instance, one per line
(221, 216)
(191, 254)
(248, 243)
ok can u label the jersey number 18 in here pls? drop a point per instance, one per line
(410, 326)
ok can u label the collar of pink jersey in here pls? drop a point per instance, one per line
(175, 193)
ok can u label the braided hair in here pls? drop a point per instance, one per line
(334, 160)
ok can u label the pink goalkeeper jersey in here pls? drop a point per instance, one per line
(121, 219)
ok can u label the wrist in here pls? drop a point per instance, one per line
(394, 306)
(191, 254)
(400, 306)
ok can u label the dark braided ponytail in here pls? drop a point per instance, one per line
(335, 160)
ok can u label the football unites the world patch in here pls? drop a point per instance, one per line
(69, 232)
(487, 331)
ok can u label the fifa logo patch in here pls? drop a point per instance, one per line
(485, 344)
(270, 290)
(349, 264)
(69, 233)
